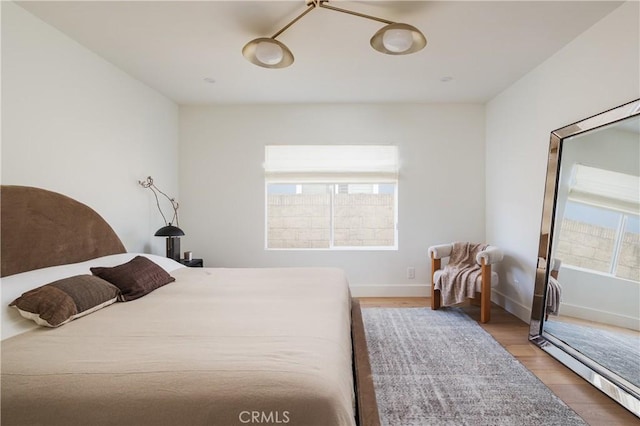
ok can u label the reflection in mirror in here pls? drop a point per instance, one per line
(586, 308)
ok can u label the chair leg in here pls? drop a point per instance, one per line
(435, 294)
(485, 295)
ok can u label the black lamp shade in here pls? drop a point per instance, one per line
(169, 231)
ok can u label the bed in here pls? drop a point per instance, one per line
(216, 346)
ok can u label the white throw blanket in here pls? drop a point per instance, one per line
(554, 294)
(458, 279)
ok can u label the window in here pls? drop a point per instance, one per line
(600, 229)
(331, 197)
(628, 260)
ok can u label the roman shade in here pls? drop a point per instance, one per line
(605, 188)
(331, 163)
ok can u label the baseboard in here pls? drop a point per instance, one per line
(596, 315)
(399, 290)
(512, 306)
(524, 312)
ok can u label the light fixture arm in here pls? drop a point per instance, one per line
(309, 8)
(312, 4)
(148, 183)
(351, 12)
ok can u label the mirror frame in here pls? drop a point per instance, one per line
(616, 387)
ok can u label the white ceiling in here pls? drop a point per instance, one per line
(175, 46)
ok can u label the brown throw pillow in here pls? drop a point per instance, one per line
(61, 301)
(137, 277)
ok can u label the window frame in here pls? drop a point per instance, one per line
(332, 246)
(617, 242)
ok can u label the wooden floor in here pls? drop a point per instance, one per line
(593, 406)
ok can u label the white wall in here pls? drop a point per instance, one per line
(441, 187)
(73, 123)
(597, 71)
(598, 297)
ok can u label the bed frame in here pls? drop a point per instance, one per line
(41, 228)
(366, 404)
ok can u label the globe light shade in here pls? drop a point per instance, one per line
(398, 39)
(267, 53)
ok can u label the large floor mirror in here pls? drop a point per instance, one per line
(586, 307)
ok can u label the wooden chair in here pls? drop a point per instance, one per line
(485, 258)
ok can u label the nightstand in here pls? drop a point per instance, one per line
(193, 263)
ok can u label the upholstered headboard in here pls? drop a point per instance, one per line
(41, 228)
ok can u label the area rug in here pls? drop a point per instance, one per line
(441, 368)
(618, 352)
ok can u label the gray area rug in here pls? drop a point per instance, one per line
(617, 352)
(441, 368)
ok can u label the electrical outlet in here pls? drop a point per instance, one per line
(411, 272)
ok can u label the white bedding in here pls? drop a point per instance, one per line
(13, 286)
(213, 348)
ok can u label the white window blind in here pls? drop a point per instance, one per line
(331, 163)
(604, 188)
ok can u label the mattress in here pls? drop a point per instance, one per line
(216, 347)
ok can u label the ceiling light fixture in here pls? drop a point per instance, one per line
(393, 39)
